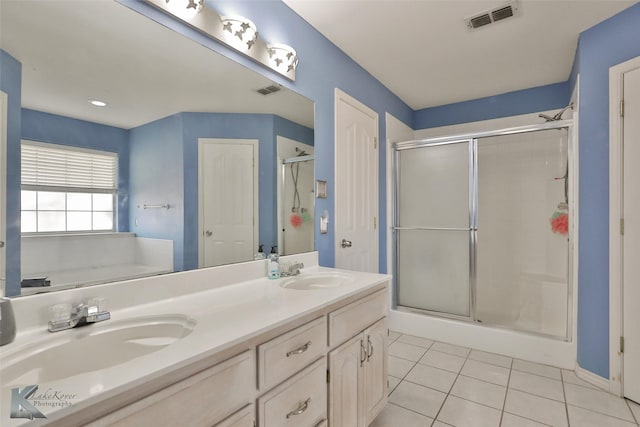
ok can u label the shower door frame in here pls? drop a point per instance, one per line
(472, 140)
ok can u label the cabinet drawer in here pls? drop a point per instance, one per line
(287, 354)
(200, 400)
(355, 317)
(299, 402)
(242, 418)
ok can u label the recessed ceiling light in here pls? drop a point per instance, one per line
(98, 103)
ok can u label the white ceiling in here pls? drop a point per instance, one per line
(144, 71)
(423, 52)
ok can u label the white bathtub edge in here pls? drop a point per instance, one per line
(528, 347)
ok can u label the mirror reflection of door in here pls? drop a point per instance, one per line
(228, 200)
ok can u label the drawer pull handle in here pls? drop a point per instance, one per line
(299, 350)
(301, 408)
(369, 348)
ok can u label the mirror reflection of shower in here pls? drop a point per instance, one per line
(296, 199)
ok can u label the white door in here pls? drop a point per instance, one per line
(228, 200)
(356, 210)
(631, 237)
(3, 177)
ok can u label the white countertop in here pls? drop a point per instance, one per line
(225, 316)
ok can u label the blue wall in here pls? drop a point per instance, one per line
(11, 84)
(608, 43)
(156, 177)
(46, 127)
(323, 67)
(524, 101)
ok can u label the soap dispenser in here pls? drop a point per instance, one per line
(260, 255)
(273, 267)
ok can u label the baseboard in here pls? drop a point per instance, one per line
(532, 348)
(593, 379)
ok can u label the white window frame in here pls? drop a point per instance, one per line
(108, 186)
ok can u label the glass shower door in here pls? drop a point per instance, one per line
(433, 227)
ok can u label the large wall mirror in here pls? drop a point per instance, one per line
(190, 164)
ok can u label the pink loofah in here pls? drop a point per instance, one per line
(560, 223)
(296, 220)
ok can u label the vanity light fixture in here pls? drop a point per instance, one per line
(185, 9)
(234, 31)
(282, 57)
(97, 103)
(239, 31)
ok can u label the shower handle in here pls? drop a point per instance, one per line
(346, 243)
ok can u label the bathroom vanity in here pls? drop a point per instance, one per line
(225, 347)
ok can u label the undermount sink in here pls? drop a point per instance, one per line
(94, 347)
(311, 281)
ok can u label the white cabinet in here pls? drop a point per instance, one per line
(358, 378)
(291, 372)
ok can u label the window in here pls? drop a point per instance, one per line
(66, 189)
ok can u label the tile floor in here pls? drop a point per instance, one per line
(437, 384)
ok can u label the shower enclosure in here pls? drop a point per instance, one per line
(481, 228)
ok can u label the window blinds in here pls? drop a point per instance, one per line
(50, 165)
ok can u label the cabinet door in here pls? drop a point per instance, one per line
(345, 381)
(375, 386)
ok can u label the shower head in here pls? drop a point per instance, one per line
(300, 152)
(557, 116)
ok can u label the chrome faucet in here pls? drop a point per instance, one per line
(292, 270)
(67, 316)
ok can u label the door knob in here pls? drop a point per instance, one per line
(1, 244)
(208, 233)
(346, 243)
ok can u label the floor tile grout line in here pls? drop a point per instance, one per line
(602, 413)
(506, 392)
(566, 404)
(527, 418)
(409, 409)
(633, 414)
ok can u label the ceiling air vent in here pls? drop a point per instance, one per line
(269, 90)
(493, 15)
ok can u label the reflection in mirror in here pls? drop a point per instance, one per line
(296, 198)
(166, 98)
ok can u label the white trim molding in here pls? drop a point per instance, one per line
(591, 378)
(615, 214)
